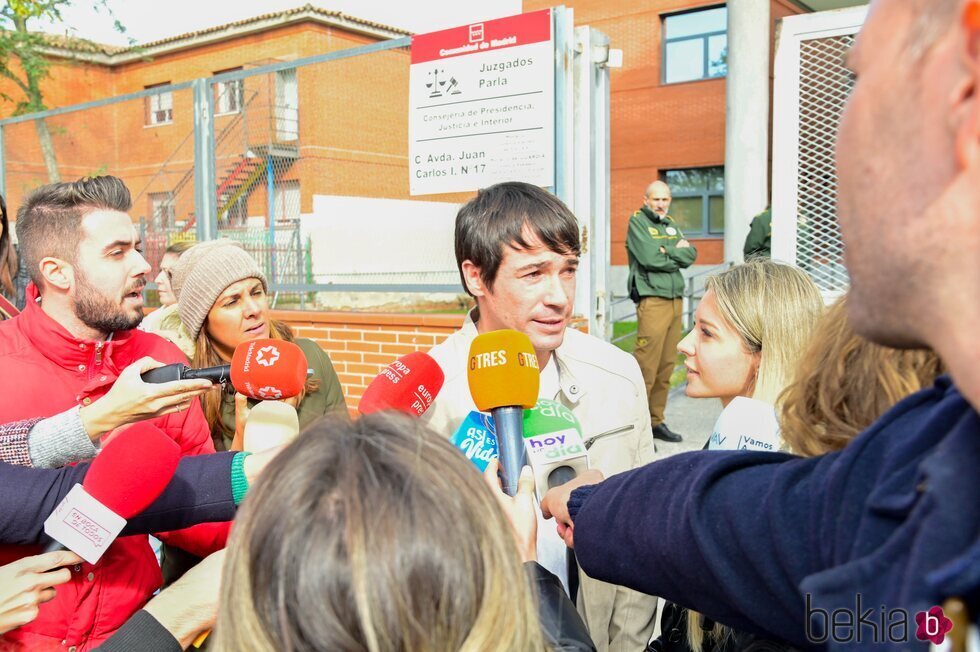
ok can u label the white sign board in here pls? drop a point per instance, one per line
(482, 105)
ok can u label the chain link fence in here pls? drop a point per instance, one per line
(305, 163)
(824, 87)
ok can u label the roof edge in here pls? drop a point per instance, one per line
(226, 32)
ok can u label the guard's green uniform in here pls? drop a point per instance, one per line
(758, 243)
(656, 285)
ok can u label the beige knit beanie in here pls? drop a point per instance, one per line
(203, 272)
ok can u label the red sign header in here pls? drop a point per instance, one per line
(522, 29)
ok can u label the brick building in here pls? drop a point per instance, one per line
(667, 109)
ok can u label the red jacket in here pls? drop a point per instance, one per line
(45, 370)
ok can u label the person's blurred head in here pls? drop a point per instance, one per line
(908, 159)
(517, 248)
(844, 383)
(374, 535)
(167, 262)
(749, 330)
(82, 251)
(8, 257)
(657, 198)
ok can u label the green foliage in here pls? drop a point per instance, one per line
(18, 43)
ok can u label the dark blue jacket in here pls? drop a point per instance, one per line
(764, 541)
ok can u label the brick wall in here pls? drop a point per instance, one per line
(361, 344)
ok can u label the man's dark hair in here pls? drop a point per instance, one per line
(496, 218)
(49, 220)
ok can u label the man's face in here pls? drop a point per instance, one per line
(894, 156)
(534, 293)
(109, 273)
(658, 200)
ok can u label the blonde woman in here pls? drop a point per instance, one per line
(750, 328)
(378, 535)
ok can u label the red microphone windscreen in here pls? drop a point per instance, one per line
(268, 369)
(133, 469)
(409, 384)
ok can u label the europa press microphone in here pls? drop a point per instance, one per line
(263, 369)
(130, 472)
(504, 379)
(409, 385)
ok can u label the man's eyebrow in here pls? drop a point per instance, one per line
(530, 266)
(122, 243)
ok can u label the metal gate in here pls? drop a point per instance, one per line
(810, 88)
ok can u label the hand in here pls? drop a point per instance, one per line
(682, 243)
(189, 606)
(663, 249)
(28, 582)
(555, 503)
(130, 399)
(256, 463)
(241, 416)
(519, 509)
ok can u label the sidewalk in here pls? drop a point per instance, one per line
(691, 417)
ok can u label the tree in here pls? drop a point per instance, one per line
(25, 48)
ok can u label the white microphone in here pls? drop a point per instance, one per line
(270, 424)
(746, 424)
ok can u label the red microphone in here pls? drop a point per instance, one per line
(268, 370)
(409, 385)
(130, 473)
(263, 369)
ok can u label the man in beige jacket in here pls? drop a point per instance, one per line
(517, 248)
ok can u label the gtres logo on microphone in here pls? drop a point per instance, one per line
(865, 624)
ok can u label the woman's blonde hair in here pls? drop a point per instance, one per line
(773, 307)
(844, 383)
(206, 355)
(374, 535)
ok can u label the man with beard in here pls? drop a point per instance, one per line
(64, 352)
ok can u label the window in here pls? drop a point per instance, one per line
(162, 210)
(695, 45)
(286, 200)
(699, 200)
(228, 94)
(160, 107)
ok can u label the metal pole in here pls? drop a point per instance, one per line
(746, 120)
(204, 187)
(270, 189)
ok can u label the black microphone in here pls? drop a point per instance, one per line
(178, 371)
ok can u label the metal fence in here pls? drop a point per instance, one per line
(810, 89)
(305, 163)
(693, 293)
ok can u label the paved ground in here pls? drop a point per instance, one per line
(691, 417)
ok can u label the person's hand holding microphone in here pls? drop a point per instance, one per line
(130, 399)
(29, 582)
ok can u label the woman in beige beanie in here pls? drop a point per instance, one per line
(222, 302)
